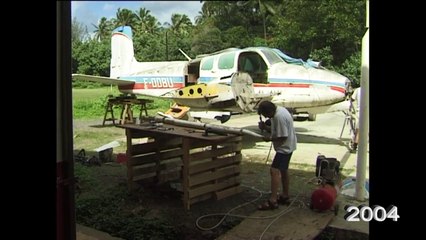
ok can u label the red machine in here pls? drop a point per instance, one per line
(327, 172)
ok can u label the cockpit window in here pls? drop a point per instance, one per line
(207, 64)
(253, 64)
(226, 61)
(271, 56)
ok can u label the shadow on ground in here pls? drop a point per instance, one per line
(157, 211)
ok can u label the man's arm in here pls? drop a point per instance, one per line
(263, 126)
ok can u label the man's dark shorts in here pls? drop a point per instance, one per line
(281, 161)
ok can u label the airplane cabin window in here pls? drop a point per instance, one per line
(207, 64)
(226, 61)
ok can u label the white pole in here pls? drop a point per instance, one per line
(364, 113)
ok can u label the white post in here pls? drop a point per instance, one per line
(364, 113)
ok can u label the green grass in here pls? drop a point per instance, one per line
(84, 94)
(91, 103)
(93, 137)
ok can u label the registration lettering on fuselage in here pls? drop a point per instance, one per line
(158, 82)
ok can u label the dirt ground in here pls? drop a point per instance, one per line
(162, 203)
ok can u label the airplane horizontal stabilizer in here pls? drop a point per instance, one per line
(105, 80)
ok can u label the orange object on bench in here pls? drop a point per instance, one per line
(177, 111)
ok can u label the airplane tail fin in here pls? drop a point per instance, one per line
(122, 52)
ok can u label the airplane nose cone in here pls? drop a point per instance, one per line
(348, 84)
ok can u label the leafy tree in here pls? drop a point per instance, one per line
(149, 47)
(302, 26)
(236, 37)
(206, 39)
(78, 31)
(351, 68)
(324, 56)
(93, 58)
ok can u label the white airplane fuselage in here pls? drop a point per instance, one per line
(205, 83)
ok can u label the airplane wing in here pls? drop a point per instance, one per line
(105, 80)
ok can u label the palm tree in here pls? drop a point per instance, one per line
(152, 25)
(200, 18)
(124, 17)
(146, 22)
(181, 24)
(103, 30)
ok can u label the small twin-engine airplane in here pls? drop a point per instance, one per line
(227, 82)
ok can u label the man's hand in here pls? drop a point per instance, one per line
(266, 138)
(262, 125)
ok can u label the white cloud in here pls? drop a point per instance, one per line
(75, 6)
(109, 7)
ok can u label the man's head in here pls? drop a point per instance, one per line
(267, 109)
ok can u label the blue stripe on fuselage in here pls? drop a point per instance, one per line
(205, 79)
(142, 79)
(285, 80)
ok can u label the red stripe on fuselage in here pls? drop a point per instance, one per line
(150, 86)
(339, 89)
(298, 85)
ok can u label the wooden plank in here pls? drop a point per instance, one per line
(214, 187)
(153, 157)
(141, 159)
(228, 192)
(210, 176)
(200, 144)
(150, 176)
(218, 163)
(152, 146)
(152, 167)
(170, 175)
(297, 223)
(216, 153)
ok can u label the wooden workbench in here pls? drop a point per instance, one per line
(206, 166)
(126, 103)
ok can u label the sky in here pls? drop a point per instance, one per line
(90, 12)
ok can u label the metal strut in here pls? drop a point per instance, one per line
(351, 118)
